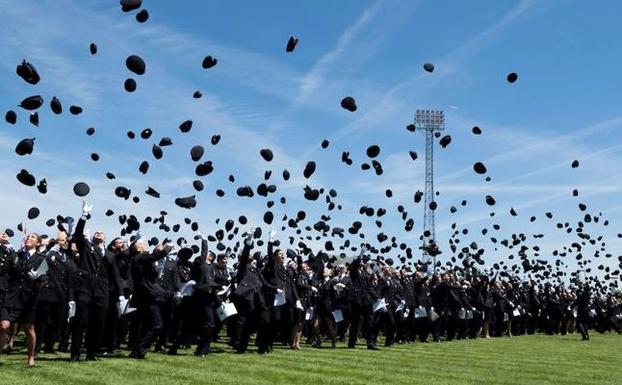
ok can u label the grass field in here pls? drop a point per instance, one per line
(525, 360)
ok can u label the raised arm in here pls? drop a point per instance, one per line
(271, 262)
(79, 231)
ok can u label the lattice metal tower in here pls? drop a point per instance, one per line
(431, 122)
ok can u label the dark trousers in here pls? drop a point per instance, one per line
(151, 319)
(475, 324)
(264, 332)
(582, 326)
(183, 324)
(342, 327)
(48, 320)
(166, 310)
(243, 327)
(207, 326)
(111, 330)
(64, 331)
(404, 326)
(438, 327)
(90, 318)
(384, 320)
(361, 313)
(421, 328)
(453, 323)
(329, 322)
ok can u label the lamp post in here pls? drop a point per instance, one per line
(430, 122)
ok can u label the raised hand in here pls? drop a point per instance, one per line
(86, 208)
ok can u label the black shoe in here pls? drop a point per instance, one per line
(74, 359)
(372, 347)
(138, 356)
(91, 358)
(172, 352)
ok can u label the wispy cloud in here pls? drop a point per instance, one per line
(315, 77)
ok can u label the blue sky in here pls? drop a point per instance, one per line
(564, 106)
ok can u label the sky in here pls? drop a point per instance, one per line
(564, 106)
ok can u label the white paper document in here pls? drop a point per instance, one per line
(380, 304)
(279, 298)
(187, 289)
(226, 310)
(299, 305)
(338, 315)
(434, 315)
(43, 268)
(420, 312)
(122, 306)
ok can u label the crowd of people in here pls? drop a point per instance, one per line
(76, 293)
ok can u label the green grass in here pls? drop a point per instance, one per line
(536, 359)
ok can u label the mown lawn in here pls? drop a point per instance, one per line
(525, 360)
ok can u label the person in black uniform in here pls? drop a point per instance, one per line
(247, 297)
(147, 294)
(67, 252)
(324, 306)
(51, 308)
(341, 300)
(423, 305)
(454, 304)
(20, 302)
(126, 330)
(206, 300)
(7, 256)
(439, 290)
(485, 305)
(405, 318)
(584, 297)
(360, 303)
(277, 280)
(116, 251)
(222, 277)
(500, 308)
(170, 281)
(304, 290)
(97, 272)
(183, 325)
(385, 318)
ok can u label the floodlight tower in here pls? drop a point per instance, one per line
(431, 122)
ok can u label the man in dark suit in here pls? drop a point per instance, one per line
(360, 303)
(97, 271)
(170, 281)
(115, 252)
(423, 305)
(148, 294)
(183, 323)
(277, 280)
(248, 298)
(206, 300)
(584, 297)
